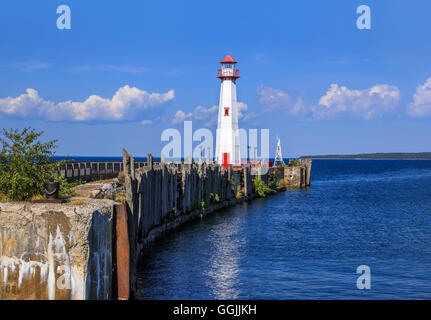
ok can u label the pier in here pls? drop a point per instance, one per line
(88, 248)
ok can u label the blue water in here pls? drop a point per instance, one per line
(307, 244)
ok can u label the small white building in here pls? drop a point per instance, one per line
(228, 139)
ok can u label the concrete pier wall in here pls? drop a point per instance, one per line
(161, 197)
(298, 175)
(90, 251)
(56, 251)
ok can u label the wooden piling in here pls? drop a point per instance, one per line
(122, 252)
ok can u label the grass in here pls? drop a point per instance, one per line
(76, 202)
(121, 196)
(38, 197)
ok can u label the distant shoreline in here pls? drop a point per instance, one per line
(374, 156)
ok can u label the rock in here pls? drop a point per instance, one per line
(95, 193)
(107, 187)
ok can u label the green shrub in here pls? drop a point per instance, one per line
(260, 187)
(281, 183)
(66, 188)
(238, 193)
(26, 164)
(293, 162)
(204, 205)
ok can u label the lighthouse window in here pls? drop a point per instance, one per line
(226, 111)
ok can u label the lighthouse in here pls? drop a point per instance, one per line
(228, 140)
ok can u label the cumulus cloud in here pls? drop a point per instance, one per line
(28, 104)
(202, 113)
(242, 107)
(272, 99)
(421, 104)
(180, 116)
(125, 104)
(367, 103)
(338, 101)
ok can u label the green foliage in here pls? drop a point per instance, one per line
(281, 183)
(272, 181)
(66, 188)
(216, 197)
(26, 164)
(293, 162)
(260, 187)
(204, 205)
(120, 197)
(238, 193)
(275, 177)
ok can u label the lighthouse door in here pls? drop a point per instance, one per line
(225, 159)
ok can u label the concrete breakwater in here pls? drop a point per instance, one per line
(56, 251)
(90, 251)
(162, 197)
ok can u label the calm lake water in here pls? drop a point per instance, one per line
(307, 244)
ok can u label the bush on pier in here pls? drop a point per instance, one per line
(26, 164)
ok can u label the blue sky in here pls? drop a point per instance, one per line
(307, 73)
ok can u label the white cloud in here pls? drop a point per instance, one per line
(421, 104)
(272, 99)
(180, 116)
(145, 122)
(125, 104)
(202, 113)
(242, 107)
(338, 100)
(368, 103)
(26, 105)
(298, 107)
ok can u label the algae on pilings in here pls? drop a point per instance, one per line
(260, 187)
(293, 162)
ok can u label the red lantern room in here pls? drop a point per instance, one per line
(228, 70)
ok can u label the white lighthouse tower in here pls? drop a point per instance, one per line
(228, 140)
